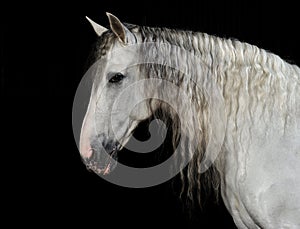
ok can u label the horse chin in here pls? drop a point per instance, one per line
(111, 164)
(108, 168)
(113, 161)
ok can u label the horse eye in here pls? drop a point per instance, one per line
(116, 78)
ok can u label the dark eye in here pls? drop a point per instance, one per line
(116, 78)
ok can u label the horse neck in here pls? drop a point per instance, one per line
(242, 73)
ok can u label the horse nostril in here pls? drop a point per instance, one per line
(89, 153)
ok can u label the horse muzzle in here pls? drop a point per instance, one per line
(100, 155)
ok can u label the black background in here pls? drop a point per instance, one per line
(44, 52)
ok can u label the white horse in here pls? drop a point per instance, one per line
(258, 162)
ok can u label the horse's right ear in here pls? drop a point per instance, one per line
(98, 28)
(120, 30)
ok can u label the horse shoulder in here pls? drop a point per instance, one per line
(270, 187)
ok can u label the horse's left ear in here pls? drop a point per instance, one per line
(98, 28)
(120, 30)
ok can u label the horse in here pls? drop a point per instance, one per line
(238, 114)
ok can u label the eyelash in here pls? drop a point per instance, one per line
(116, 78)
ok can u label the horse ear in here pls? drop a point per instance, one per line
(98, 28)
(119, 29)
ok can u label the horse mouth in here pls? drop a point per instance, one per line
(102, 163)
